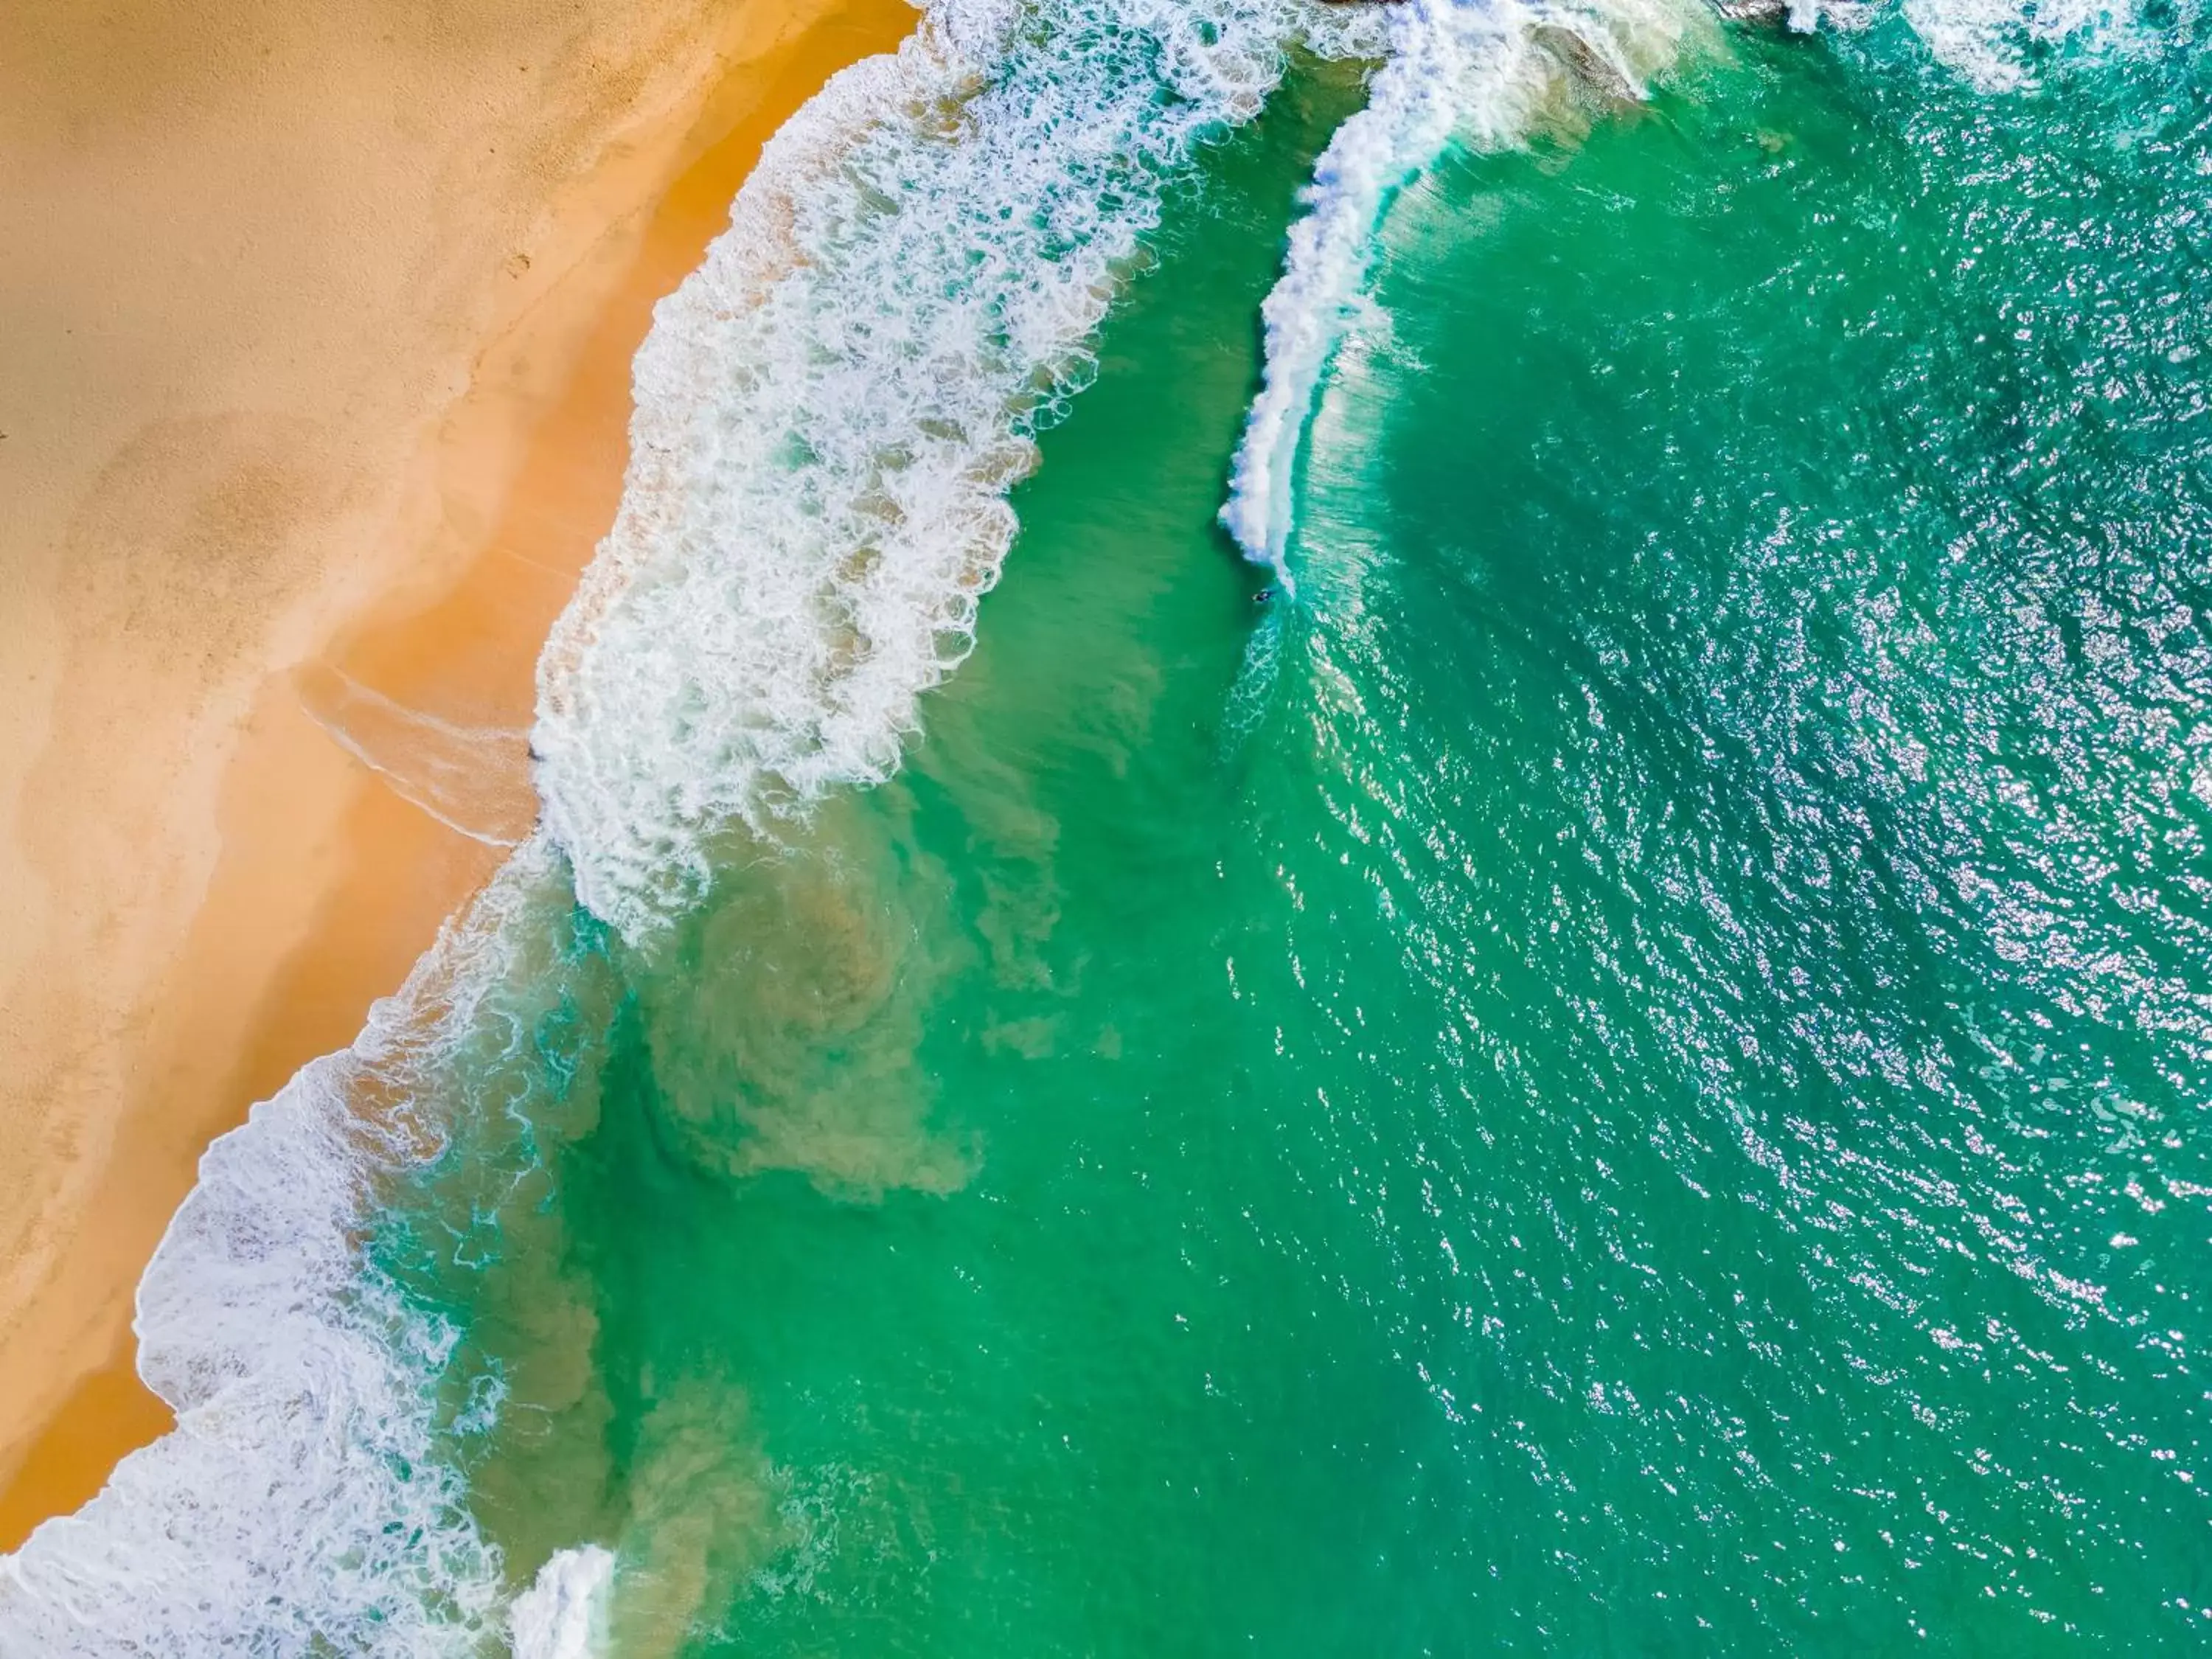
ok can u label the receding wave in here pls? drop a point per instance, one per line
(830, 412)
(299, 1506)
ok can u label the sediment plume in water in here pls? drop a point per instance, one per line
(832, 410)
(830, 414)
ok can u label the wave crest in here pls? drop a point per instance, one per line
(1481, 72)
(832, 412)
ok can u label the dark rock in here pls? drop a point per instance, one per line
(1752, 14)
(1590, 68)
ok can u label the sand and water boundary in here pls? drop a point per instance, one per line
(315, 334)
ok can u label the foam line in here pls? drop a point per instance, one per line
(1409, 116)
(832, 412)
(1992, 45)
(299, 1506)
(1476, 71)
(562, 1616)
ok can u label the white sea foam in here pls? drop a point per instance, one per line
(562, 1616)
(1476, 72)
(299, 1506)
(830, 412)
(1991, 43)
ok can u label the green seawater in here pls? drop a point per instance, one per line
(1624, 1075)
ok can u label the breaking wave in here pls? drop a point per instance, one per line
(299, 1506)
(829, 415)
(1995, 45)
(832, 412)
(1485, 74)
(1482, 72)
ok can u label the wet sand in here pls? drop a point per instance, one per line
(268, 628)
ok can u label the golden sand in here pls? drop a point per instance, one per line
(315, 331)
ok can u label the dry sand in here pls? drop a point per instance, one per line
(315, 328)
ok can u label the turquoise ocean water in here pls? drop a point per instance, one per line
(1620, 1069)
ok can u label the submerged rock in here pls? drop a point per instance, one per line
(1754, 14)
(1589, 68)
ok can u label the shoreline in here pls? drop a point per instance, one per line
(330, 824)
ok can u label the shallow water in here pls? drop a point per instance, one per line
(1622, 1073)
(1623, 1077)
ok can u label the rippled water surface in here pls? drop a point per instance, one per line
(1626, 1075)
(1624, 1072)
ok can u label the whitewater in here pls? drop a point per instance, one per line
(829, 417)
(1482, 75)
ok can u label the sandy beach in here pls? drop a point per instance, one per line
(315, 330)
